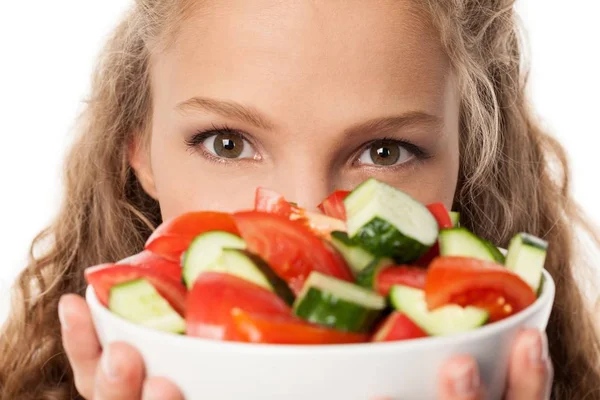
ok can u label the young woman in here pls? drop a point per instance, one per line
(196, 103)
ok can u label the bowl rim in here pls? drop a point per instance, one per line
(134, 330)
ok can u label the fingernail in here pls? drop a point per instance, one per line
(108, 368)
(62, 315)
(465, 379)
(537, 348)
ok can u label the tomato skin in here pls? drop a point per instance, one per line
(397, 326)
(147, 259)
(272, 202)
(289, 247)
(103, 277)
(471, 282)
(442, 216)
(267, 200)
(399, 275)
(213, 298)
(282, 329)
(333, 205)
(173, 237)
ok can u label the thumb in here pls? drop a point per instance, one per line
(459, 380)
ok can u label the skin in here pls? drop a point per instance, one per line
(310, 85)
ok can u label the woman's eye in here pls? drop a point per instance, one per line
(385, 153)
(229, 145)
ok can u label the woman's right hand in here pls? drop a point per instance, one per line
(113, 373)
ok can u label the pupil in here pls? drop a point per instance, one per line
(385, 153)
(228, 145)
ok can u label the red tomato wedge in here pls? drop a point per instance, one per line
(213, 298)
(442, 216)
(471, 282)
(290, 248)
(398, 327)
(272, 202)
(147, 259)
(173, 237)
(282, 329)
(104, 277)
(333, 205)
(399, 275)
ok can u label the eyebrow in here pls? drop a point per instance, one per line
(394, 123)
(227, 109)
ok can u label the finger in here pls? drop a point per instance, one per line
(121, 373)
(160, 389)
(530, 369)
(79, 341)
(459, 380)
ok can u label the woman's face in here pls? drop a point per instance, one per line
(301, 97)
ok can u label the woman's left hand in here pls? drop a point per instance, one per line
(529, 376)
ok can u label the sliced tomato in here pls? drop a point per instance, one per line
(104, 277)
(289, 247)
(333, 205)
(471, 282)
(442, 216)
(173, 237)
(213, 298)
(272, 202)
(397, 326)
(147, 259)
(399, 275)
(282, 329)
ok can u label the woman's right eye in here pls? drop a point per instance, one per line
(228, 145)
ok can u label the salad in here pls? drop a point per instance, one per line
(376, 265)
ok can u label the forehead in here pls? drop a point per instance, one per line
(303, 54)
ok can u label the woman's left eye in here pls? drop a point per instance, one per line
(385, 153)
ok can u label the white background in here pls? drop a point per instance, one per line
(47, 52)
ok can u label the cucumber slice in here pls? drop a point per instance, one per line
(388, 222)
(461, 242)
(338, 304)
(204, 250)
(455, 218)
(356, 257)
(367, 277)
(137, 301)
(253, 269)
(526, 257)
(446, 320)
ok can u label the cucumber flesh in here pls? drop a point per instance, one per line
(526, 257)
(253, 269)
(338, 304)
(204, 251)
(442, 321)
(460, 242)
(389, 223)
(139, 302)
(368, 276)
(356, 257)
(455, 218)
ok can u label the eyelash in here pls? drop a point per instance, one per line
(194, 143)
(419, 152)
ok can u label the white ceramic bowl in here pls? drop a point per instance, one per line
(205, 369)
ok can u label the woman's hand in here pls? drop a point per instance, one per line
(529, 376)
(117, 373)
